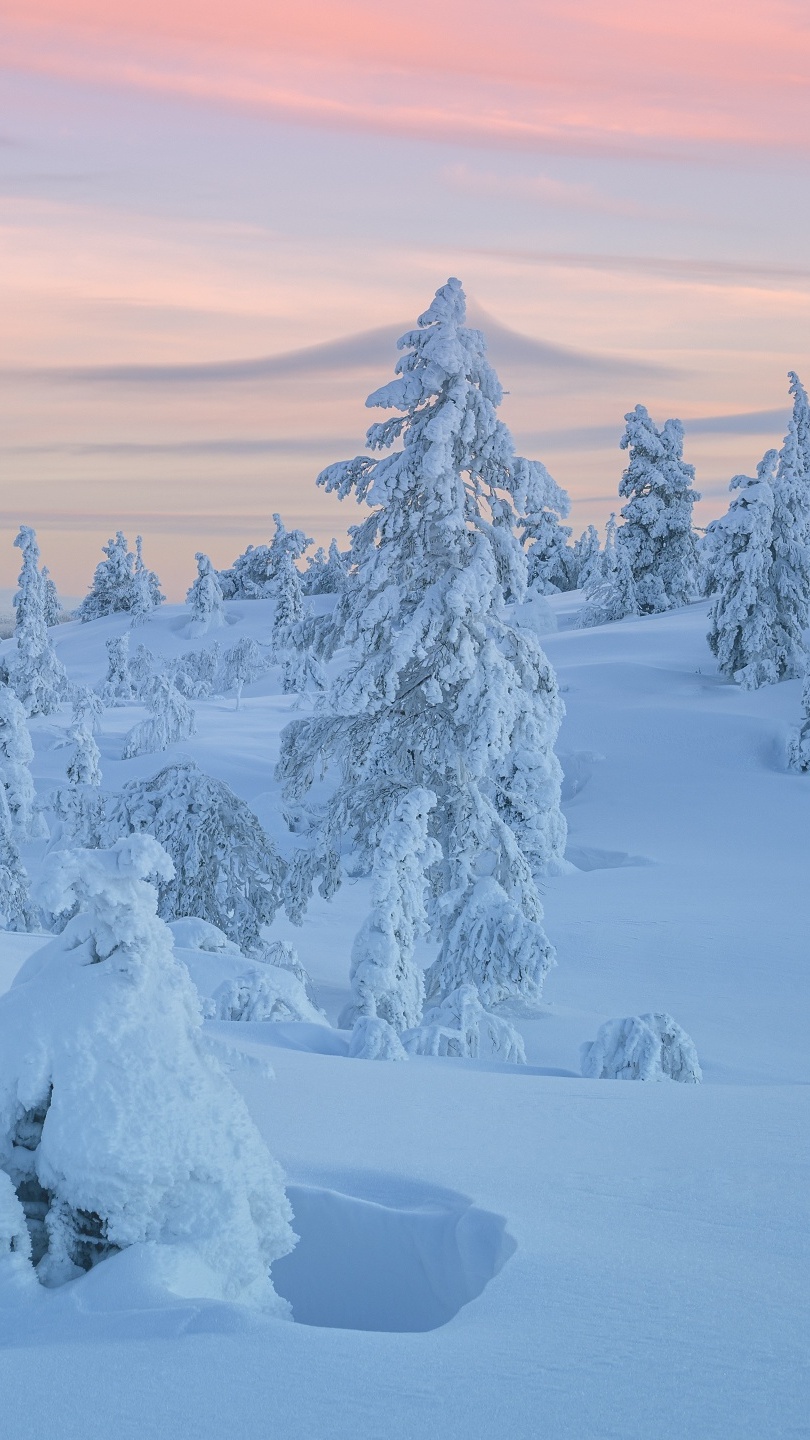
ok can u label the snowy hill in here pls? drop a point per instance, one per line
(487, 1249)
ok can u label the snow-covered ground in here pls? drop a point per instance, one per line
(491, 1250)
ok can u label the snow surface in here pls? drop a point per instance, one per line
(489, 1249)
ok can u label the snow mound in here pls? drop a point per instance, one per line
(374, 1039)
(641, 1047)
(269, 993)
(461, 1028)
(361, 1265)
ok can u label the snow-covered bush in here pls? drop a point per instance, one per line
(460, 1027)
(16, 910)
(266, 992)
(35, 674)
(439, 692)
(385, 979)
(743, 612)
(205, 599)
(585, 558)
(641, 1047)
(609, 590)
(656, 538)
(16, 754)
(243, 663)
(118, 687)
(798, 750)
(284, 956)
(197, 673)
(172, 719)
(121, 582)
(325, 574)
(117, 1126)
(226, 868)
(374, 1039)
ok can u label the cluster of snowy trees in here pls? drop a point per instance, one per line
(121, 582)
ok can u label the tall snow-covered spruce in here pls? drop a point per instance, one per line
(35, 673)
(743, 612)
(657, 538)
(790, 542)
(439, 692)
(205, 599)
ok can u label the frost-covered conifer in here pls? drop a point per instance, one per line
(799, 742)
(252, 575)
(117, 1125)
(36, 675)
(16, 911)
(657, 538)
(325, 574)
(289, 606)
(550, 558)
(642, 1047)
(16, 754)
(801, 420)
(172, 719)
(205, 599)
(790, 555)
(145, 593)
(118, 687)
(52, 609)
(437, 686)
(84, 767)
(226, 869)
(743, 612)
(586, 556)
(385, 979)
(609, 592)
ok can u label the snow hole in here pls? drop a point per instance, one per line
(361, 1265)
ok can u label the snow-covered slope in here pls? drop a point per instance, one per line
(490, 1250)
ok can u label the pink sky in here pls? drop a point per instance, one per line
(215, 182)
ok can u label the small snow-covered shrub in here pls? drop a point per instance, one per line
(641, 1047)
(172, 719)
(268, 992)
(118, 687)
(226, 868)
(374, 1039)
(16, 912)
(243, 663)
(117, 1125)
(460, 1027)
(196, 673)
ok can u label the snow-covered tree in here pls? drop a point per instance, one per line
(36, 675)
(196, 673)
(385, 979)
(743, 612)
(325, 574)
(642, 1047)
(657, 537)
(226, 869)
(374, 1039)
(121, 582)
(84, 767)
(117, 1125)
(801, 420)
(51, 606)
(586, 556)
(609, 591)
(118, 686)
(16, 910)
(266, 992)
(790, 555)
(549, 556)
(171, 719)
(252, 575)
(146, 594)
(437, 688)
(242, 663)
(799, 742)
(205, 599)
(16, 754)
(461, 1028)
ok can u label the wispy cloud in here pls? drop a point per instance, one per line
(598, 437)
(691, 270)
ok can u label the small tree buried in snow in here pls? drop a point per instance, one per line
(609, 590)
(743, 614)
(642, 1047)
(243, 663)
(798, 750)
(35, 674)
(117, 1127)
(586, 555)
(172, 719)
(226, 869)
(16, 910)
(438, 687)
(657, 537)
(145, 594)
(16, 754)
(461, 1028)
(385, 979)
(118, 686)
(266, 992)
(205, 599)
(374, 1039)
